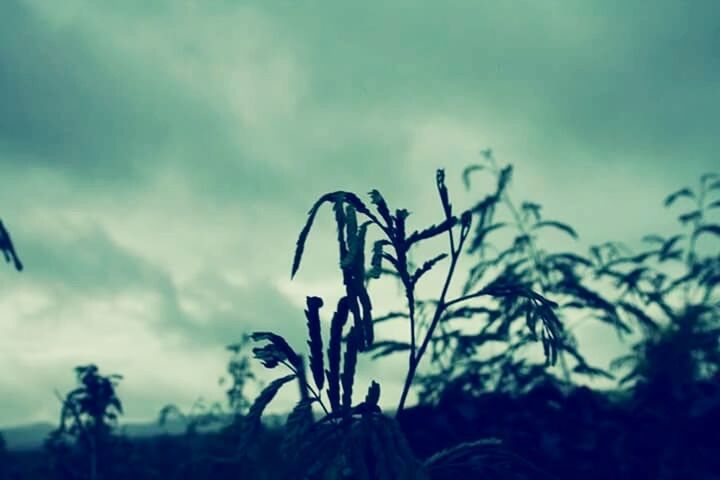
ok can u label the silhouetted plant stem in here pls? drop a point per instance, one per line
(306, 385)
(437, 315)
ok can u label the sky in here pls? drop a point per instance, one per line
(158, 159)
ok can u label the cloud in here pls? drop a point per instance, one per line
(158, 160)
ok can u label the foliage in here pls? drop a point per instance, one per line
(670, 289)
(8, 249)
(484, 346)
(88, 416)
(390, 256)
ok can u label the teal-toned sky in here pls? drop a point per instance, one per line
(157, 158)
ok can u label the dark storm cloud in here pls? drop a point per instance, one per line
(615, 78)
(74, 104)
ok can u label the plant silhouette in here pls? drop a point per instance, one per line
(337, 439)
(492, 354)
(8, 249)
(89, 414)
(671, 289)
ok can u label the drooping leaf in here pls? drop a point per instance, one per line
(707, 177)
(312, 313)
(349, 365)
(356, 248)
(278, 349)
(684, 192)
(335, 198)
(559, 225)
(531, 209)
(711, 229)
(334, 350)
(376, 259)
(252, 419)
(467, 171)
(269, 355)
(368, 328)
(481, 233)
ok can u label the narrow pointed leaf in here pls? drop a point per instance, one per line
(312, 313)
(711, 229)
(334, 352)
(685, 192)
(349, 365)
(252, 419)
(333, 197)
(427, 266)
(431, 231)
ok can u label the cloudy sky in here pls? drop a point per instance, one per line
(157, 159)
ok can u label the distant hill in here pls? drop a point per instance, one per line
(32, 436)
(26, 437)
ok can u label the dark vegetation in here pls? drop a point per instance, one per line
(498, 372)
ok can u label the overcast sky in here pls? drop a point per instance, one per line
(158, 157)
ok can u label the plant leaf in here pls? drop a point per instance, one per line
(431, 231)
(334, 349)
(8, 249)
(278, 348)
(683, 192)
(467, 171)
(333, 197)
(312, 313)
(690, 216)
(376, 259)
(349, 365)
(252, 419)
(559, 225)
(711, 229)
(427, 266)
